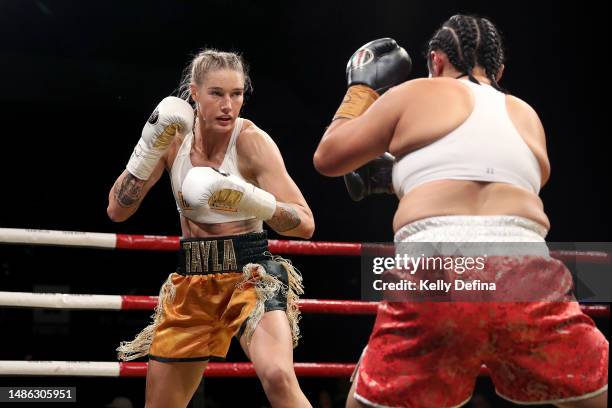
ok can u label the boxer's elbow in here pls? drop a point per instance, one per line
(324, 164)
(327, 158)
(308, 229)
(304, 227)
(116, 213)
(305, 231)
(307, 224)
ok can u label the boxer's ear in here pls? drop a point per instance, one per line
(193, 89)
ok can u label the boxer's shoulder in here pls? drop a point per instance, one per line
(428, 87)
(253, 140)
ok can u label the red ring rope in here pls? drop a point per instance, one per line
(171, 243)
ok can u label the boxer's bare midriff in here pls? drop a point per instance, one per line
(462, 197)
(192, 229)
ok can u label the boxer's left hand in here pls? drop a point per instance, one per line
(379, 65)
(205, 186)
(370, 72)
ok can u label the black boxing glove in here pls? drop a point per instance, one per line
(371, 71)
(379, 65)
(374, 177)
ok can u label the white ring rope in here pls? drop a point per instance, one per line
(60, 368)
(60, 301)
(51, 237)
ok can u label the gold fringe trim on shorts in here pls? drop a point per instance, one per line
(266, 287)
(294, 291)
(139, 347)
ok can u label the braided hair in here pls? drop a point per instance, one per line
(469, 41)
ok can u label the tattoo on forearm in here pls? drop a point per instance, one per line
(285, 218)
(128, 192)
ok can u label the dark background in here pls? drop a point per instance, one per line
(78, 80)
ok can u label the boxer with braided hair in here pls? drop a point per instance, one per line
(467, 162)
(491, 52)
(470, 41)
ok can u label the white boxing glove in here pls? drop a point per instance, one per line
(173, 115)
(208, 187)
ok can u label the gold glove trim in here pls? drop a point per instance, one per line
(164, 140)
(225, 200)
(357, 100)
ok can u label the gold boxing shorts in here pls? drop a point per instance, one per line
(222, 288)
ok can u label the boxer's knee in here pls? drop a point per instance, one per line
(277, 379)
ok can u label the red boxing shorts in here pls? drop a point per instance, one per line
(428, 354)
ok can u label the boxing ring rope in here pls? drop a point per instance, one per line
(131, 302)
(171, 243)
(120, 369)
(128, 302)
(158, 242)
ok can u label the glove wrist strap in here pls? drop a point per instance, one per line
(357, 100)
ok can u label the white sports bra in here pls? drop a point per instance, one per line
(182, 164)
(486, 147)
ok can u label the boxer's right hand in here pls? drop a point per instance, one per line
(172, 115)
(370, 72)
(374, 177)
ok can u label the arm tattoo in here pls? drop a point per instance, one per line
(284, 219)
(128, 193)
